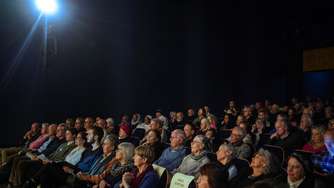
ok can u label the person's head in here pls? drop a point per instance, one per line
(124, 132)
(329, 112)
(261, 115)
(147, 119)
(225, 153)
(240, 119)
(172, 115)
(158, 113)
(317, 136)
(125, 152)
(153, 136)
(237, 135)
(247, 111)
(109, 144)
(81, 139)
(205, 125)
(125, 119)
(110, 125)
(210, 134)
(60, 131)
(259, 125)
(52, 129)
(281, 126)
(69, 123)
(231, 104)
(44, 129)
(243, 125)
(101, 123)
(226, 119)
(70, 134)
(262, 162)
(189, 130)
(329, 141)
(212, 176)
(198, 144)
(35, 127)
(95, 135)
(155, 124)
(177, 137)
(200, 112)
(144, 155)
(274, 108)
(298, 167)
(190, 112)
(331, 124)
(179, 116)
(88, 123)
(305, 122)
(206, 109)
(78, 123)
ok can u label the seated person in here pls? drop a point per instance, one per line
(211, 176)
(153, 139)
(213, 139)
(284, 138)
(235, 168)
(325, 162)
(316, 144)
(144, 175)
(299, 173)
(122, 162)
(191, 164)
(189, 131)
(172, 156)
(242, 150)
(262, 169)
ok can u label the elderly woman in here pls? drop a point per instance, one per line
(191, 164)
(298, 175)
(316, 144)
(212, 176)
(262, 168)
(121, 163)
(144, 175)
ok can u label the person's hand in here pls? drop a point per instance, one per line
(68, 169)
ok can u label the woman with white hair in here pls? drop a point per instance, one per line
(191, 164)
(122, 162)
(262, 168)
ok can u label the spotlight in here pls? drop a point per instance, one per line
(47, 6)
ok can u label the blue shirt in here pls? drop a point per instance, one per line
(171, 159)
(325, 162)
(88, 158)
(75, 155)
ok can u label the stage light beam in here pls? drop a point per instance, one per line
(47, 7)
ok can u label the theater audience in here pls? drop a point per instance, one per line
(34, 145)
(172, 156)
(144, 175)
(316, 143)
(191, 164)
(146, 124)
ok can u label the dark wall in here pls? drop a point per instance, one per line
(115, 57)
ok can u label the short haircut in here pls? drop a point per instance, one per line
(268, 160)
(180, 133)
(228, 147)
(241, 131)
(157, 121)
(145, 151)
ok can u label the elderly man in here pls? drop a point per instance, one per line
(172, 157)
(284, 138)
(242, 150)
(236, 168)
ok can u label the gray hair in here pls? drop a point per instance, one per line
(267, 159)
(180, 133)
(128, 150)
(241, 131)
(110, 120)
(228, 147)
